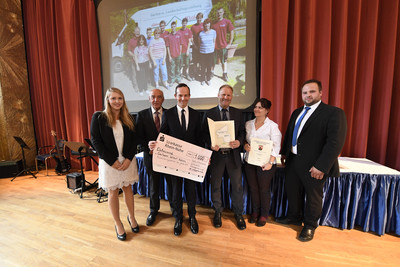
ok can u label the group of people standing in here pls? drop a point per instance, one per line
(314, 138)
(166, 55)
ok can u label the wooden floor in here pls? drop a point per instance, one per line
(43, 224)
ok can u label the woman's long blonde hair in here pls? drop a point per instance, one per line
(124, 115)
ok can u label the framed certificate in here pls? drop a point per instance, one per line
(260, 151)
(221, 132)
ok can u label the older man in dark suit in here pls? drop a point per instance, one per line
(148, 124)
(226, 158)
(314, 138)
(184, 123)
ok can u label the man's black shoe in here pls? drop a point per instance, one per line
(194, 227)
(151, 219)
(178, 227)
(307, 234)
(217, 220)
(241, 224)
(286, 220)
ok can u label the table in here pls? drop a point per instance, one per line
(366, 194)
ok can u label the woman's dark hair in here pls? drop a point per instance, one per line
(265, 103)
(206, 21)
(141, 37)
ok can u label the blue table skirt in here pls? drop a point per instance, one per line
(370, 201)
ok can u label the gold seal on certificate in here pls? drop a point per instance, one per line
(180, 158)
(221, 132)
(260, 151)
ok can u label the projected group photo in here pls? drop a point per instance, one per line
(198, 42)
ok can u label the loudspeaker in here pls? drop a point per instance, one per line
(10, 168)
(74, 180)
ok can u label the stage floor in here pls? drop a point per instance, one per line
(43, 224)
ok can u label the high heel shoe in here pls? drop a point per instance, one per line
(120, 237)
(134, 229)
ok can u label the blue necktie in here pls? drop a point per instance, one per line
(296, 128)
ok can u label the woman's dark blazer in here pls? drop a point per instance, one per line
(104, 142)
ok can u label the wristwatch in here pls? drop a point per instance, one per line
(270, 162)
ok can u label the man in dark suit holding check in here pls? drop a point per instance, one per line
(226, 158)
(314, 138)
(184, 123)
(148, 124)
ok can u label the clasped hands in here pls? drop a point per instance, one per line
(121, 166)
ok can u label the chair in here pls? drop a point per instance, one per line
(44, 153)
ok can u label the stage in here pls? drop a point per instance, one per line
(366, 194)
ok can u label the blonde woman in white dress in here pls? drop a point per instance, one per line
(113, 137)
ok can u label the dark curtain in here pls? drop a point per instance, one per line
(353, 47)
(64, 68)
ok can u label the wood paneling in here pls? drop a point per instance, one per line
(15, 104)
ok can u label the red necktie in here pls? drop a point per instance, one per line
(157, 121)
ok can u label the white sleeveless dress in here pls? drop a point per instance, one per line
(110, 178)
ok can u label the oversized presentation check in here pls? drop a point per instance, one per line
(180, 158)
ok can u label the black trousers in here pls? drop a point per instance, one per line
(218, 165)
(155, 182)
(177, 200)
(259, 182)
(207, 63)
(142, 76)
(299, 183)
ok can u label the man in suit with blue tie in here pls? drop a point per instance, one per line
(314, 138)
(148, 124)
(226, 158)
(184, 123)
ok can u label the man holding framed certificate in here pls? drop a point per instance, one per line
(225, 157)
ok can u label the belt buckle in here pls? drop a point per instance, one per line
(225, 152)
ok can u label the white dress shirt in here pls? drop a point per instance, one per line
(160, 111)
(228, 117)
(306, 117)
(186, 114)
(268, 131)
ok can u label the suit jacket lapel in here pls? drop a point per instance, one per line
(217, 114)
(177, 121)
(191, 119)
(315, 114)
(153, 125)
